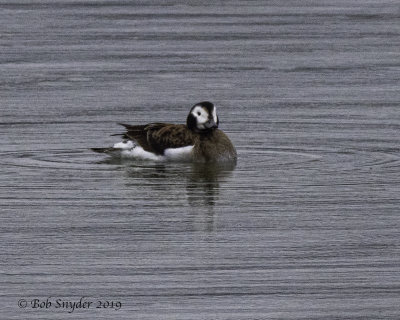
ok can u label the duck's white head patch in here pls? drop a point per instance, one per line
(202, 116)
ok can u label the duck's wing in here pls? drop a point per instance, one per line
(156, 137)
(137, 133)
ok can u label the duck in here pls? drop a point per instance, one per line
(199, 140)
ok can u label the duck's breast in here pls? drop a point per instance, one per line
(215, 147)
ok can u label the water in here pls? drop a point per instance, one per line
(306, 226)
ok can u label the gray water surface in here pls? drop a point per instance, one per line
(306, 226)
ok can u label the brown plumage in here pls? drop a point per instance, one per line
(156, 137)
(209, 144)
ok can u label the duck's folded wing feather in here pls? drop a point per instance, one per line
(137, 133)
(168, 136)
(156, 137)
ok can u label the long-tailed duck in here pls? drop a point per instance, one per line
(199, 140)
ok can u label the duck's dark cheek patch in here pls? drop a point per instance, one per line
(191, 122)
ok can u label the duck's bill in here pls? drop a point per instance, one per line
(210, 124)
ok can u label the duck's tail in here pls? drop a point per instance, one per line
(117, 148)
(103, 150)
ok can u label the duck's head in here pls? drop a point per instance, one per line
(202, 117)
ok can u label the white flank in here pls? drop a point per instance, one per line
(124, 145)
(128, 149)
(139, 153)
(183, 153)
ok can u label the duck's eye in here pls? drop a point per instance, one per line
(199, 113)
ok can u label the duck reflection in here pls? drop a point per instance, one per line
(190, 188)
(202, 189)
(201, 181)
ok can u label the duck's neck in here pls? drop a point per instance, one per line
(206, 134)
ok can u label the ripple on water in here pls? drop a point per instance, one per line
(69, 159)
(342, 159)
